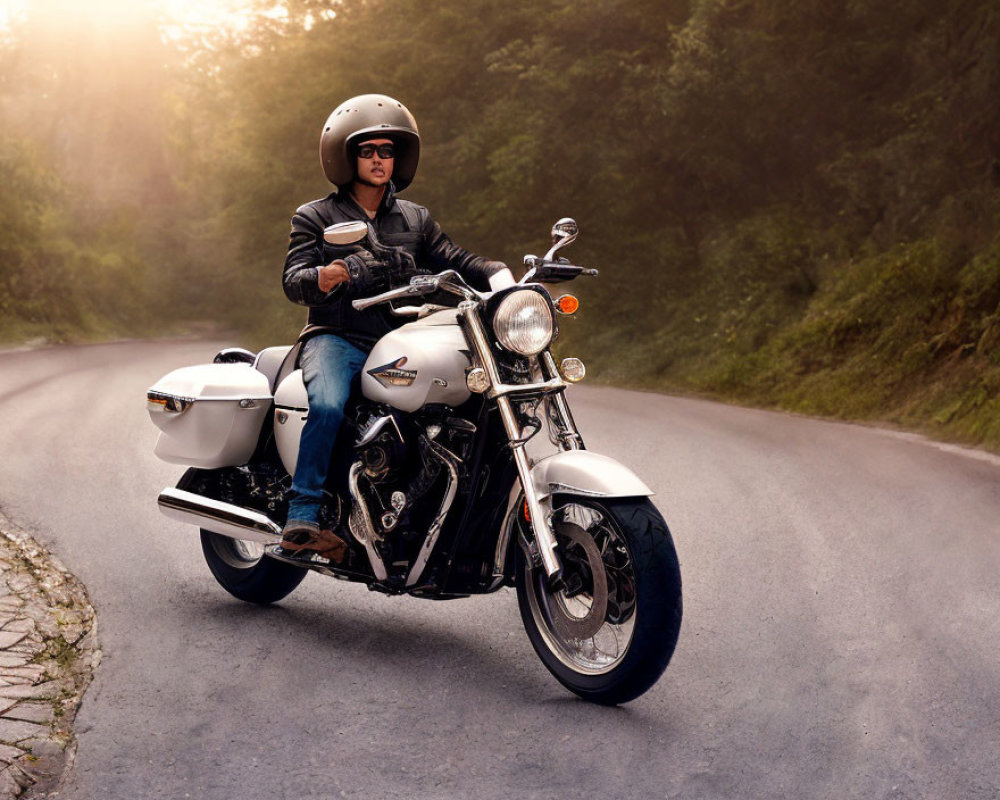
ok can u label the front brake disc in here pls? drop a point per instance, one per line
(569, 625)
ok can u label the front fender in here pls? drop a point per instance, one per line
(575, 472)
(588, 474)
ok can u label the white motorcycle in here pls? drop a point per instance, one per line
(432, 484)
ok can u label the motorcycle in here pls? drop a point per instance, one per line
(432, 483)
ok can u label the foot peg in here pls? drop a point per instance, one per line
(302, 539)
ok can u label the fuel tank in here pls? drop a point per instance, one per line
(423, 362)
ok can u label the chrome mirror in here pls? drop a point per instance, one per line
(564, 232)
(346, 232)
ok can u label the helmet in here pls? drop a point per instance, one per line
(369, 116)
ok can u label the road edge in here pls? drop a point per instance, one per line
(48, 653)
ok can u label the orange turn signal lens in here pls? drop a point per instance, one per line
(567, 304)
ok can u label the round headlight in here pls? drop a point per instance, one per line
(523, 322)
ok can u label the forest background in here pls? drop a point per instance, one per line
(793, 203)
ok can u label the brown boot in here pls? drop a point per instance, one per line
(331, 546)
(300, 539)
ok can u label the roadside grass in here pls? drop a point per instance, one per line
(908, 337)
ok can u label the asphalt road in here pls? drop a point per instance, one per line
(841, 631)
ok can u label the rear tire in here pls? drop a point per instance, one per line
(242, 569)
(609, 636)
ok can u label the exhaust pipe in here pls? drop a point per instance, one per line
(218, 517)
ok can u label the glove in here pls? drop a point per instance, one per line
(379, 269)
(399, 262)
(369, 274)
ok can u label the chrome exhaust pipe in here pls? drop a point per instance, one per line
(218, 517)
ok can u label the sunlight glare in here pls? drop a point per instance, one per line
(11, 11)
(175, 18)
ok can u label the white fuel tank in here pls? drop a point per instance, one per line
(421, 363)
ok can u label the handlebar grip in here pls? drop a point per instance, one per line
(368, 302)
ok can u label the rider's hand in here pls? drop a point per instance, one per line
(399, 264)
(367, 275)
(333, 274)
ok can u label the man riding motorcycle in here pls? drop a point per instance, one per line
(369, 149)
(439, 496)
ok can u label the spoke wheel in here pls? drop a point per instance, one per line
(576, 622)
(609, 634)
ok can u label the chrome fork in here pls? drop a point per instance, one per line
(545, 541)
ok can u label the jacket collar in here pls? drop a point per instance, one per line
(388, 201)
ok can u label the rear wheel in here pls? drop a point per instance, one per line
(242, 569)
(609, 635)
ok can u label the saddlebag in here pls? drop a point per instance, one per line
(209, 415)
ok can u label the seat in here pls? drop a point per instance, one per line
(269, 361)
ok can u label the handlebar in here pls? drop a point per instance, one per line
(543, 270)
(385, 297)
(447, 281)
(553, 271)
(539, 269)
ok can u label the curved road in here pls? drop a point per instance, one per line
(841, 634)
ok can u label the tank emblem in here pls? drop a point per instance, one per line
(393, 374)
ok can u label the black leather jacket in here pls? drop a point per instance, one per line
(398, 223)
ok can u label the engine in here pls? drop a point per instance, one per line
(408, 465)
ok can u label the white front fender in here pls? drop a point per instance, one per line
(578, 472)
(588, 474)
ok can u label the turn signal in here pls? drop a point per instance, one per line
(567, 304)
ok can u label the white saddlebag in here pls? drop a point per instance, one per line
(210, 415)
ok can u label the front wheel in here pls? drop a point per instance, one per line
(610, 633)
(242, 569)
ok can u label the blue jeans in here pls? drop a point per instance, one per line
(328, 363)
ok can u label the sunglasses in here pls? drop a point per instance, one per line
(383, 150)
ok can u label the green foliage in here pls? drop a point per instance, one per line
(59, 279)
(908, 335)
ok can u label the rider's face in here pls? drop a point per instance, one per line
(377, 170)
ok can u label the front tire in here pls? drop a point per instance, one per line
(242, 569)
(609, 635)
